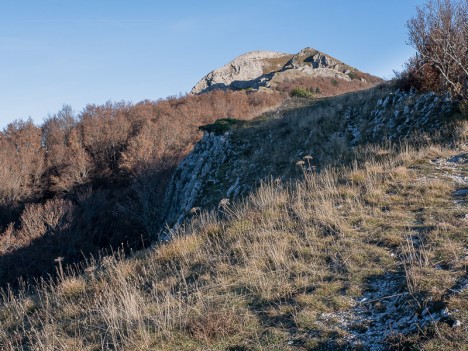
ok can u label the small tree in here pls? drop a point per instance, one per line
(439, 33)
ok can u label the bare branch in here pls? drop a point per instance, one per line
(439, 33)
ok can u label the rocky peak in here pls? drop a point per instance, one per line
(257, 69)
(315, 59)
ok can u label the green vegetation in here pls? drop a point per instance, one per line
(302, 93)
(221, 126)
(353, 75)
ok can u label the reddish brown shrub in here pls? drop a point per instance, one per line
(113, 162)
(439, 33)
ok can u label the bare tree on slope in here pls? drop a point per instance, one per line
(439, 33)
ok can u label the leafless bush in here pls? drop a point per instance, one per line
(439, 33)
(38, 220)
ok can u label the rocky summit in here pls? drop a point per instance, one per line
(265, 70)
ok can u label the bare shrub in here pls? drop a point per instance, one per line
(76, 167)
(21, 161)
(38, 220)
(439, 33)
(104, 131)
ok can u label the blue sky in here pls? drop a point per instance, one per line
(55, 52)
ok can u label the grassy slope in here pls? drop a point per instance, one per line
(271, 145)
(268, 275)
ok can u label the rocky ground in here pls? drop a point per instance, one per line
(222, 167)
(389, 309)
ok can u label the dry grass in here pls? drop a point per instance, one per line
(322, 86)
(264, 275)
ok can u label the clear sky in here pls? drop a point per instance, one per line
(55, 52)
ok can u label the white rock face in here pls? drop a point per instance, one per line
(241, 70)
(192, 176)
(267, 68)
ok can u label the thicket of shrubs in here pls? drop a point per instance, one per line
(439, 33)
(303, 93)
(80, 183)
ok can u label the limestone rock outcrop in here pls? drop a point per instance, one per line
(266, 69)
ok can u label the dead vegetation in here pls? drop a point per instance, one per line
(107, 167)
(275, 271)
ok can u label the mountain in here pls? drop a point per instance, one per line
(259, 70)
(331, 223)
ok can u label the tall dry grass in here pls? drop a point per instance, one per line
(265, 273)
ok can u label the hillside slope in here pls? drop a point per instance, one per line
(93, 180)
(370, 255)
(84, 182)
(231, 160)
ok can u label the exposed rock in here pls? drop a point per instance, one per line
(315, 59)
(193, 176)
(243, 72)
(267, 69)
(388, 309)
(461, 192)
